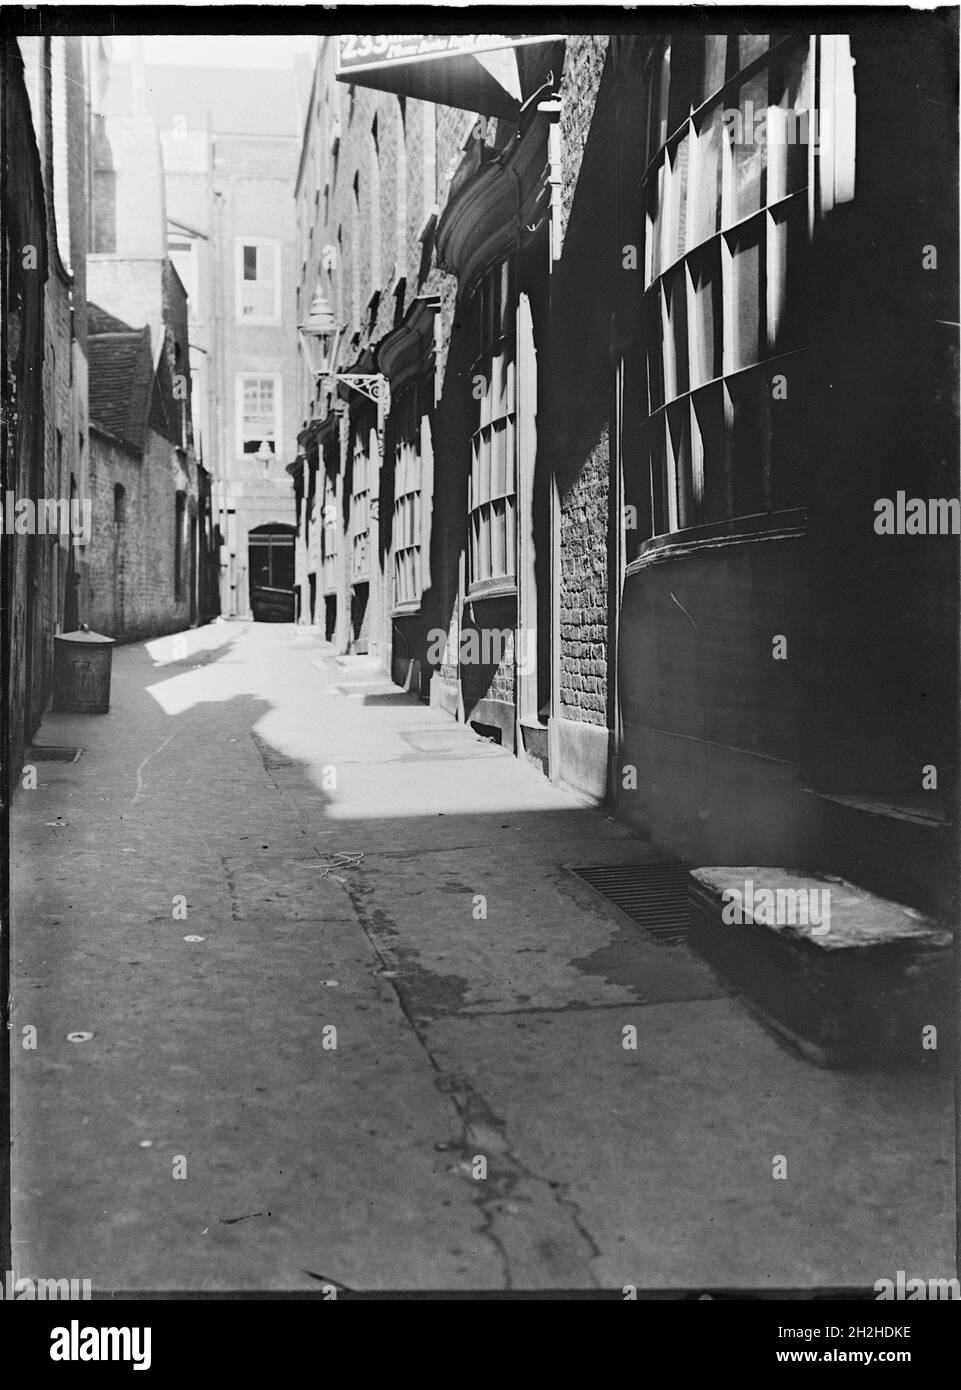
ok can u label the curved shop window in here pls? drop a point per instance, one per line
(492, 490)
(733, 132)
(407, 521)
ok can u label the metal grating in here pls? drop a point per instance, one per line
(51, 753)
(653, 895)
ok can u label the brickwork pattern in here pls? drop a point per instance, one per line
(129, 589)
(584, 592)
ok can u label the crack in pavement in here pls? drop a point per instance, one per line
(480, 1125)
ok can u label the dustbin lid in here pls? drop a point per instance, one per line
(83, 634)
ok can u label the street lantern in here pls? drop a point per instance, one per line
(319, 337)
(265, 455)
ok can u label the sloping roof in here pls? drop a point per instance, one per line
(121, 373)
(99, 321)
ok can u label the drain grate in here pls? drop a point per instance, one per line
(654, 895)
(51, 753)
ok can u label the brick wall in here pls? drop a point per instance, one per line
(583, 69)
(584, 593)
(128, 589)
(578, 377)
(24, 223)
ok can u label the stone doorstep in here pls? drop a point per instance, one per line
(858, 995)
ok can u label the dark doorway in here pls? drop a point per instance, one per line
(270, 561)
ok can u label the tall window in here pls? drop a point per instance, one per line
(732, 131)
(360, 502)
(330, 534)
(406, 532)
(491, 499)
(258, 410)
(258, 281)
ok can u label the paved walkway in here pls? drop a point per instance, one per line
(331, 838)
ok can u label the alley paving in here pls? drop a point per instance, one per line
(337, 844)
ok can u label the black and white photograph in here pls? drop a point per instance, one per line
(480, 552)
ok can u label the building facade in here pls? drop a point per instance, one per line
(594, 421)
(144, 572)
(47, 443)
(107, 516)
(229, 165)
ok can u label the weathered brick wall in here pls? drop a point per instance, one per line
(61, 440)
(584, 593)
(22, 213)
(583, 70)
(578, 386)
(128, 588)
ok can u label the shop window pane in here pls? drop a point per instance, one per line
(712, 448)
(705, 334)
(665, 201)
(675, 334)
(786, 269)
(797, 118)
(747, 307)
(750, 147)
(679, 192)
(652, 258)
(705, 198)
(751, 46)
(484, 471)
(498, 460)
(656, 454)
(749, 398)
(686, 54)
(713, 64)
(659, 97)
(485, 543)
(497, 393)
(655, 357)
(679, 440)
(498, 529)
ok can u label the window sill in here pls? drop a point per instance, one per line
(739, 530)
(492, 588)
(406, 610)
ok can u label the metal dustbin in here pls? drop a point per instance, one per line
(81, 671)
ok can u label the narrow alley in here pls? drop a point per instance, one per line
(318, 1000)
